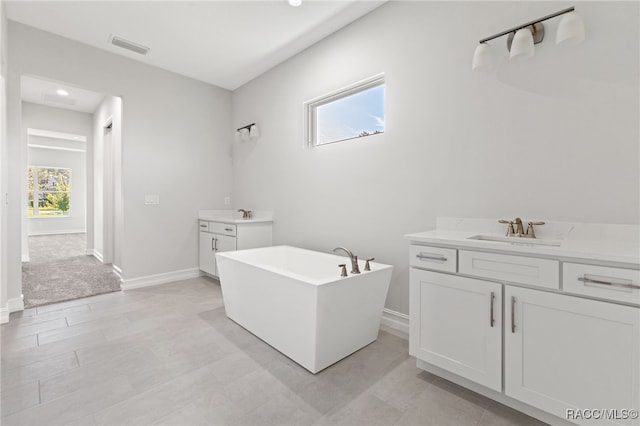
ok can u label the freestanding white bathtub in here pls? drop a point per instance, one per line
(296, 301)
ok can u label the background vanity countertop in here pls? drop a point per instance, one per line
(232, 216)
(586, 241)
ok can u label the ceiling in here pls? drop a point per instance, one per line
(44, 92)
(224, 43)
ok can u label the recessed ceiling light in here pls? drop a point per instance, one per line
(295, 3)
(62, 92)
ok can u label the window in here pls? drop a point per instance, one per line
(350, 113)
(49, 191)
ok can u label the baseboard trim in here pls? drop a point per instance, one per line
(4, 314)
(90, 252)
(62, 231)
(15, 304)
(118, 272)
(396, 320)
(157, 279)
(97, 255)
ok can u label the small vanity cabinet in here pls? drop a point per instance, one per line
(540, 330)
(228, 234)
(456, 324)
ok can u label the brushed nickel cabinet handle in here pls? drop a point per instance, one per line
(424, 256)
(609, 283)
(513, 314)
(215, 247)
(491, 318)
(228, 229)
(212, 248)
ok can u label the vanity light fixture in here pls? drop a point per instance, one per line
(522, 38)
(295, 3)
(62, 92)
(570, 29)
(244, 133)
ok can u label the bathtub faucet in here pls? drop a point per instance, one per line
(354, 259)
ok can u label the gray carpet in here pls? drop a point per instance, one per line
(47, 248)
(59, 270)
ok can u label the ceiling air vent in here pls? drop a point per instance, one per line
(129, 45)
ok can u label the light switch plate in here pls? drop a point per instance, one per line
(151, 199)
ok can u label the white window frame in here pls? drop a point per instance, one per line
(309, 107)
(36, 192)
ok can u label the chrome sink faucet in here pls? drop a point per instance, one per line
(354, 259)
(519, 230)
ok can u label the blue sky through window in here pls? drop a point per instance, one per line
(348, 117)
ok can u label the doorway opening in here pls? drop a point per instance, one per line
(68, 240)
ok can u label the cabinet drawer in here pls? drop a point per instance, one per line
(222, 228)
(515, 269)
(438, 258)
(618, 284)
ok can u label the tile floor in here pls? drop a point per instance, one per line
(167, 355)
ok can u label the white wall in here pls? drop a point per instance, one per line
(65, 121)
(175, 142)
(4, 308)
(552, 138)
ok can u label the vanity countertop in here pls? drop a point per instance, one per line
(231, 216)
(579, 241)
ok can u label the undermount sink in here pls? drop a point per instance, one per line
(517, 240)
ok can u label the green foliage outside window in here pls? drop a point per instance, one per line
(51, 187)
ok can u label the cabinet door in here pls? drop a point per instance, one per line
(567, 353)
(456, 324)
(223, 243)
(207, 254)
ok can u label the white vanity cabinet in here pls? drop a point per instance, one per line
(456, 324)
(206, 250)
(216, 237)
(541, 333)
(564, 352)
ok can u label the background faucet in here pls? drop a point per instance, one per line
(354, 259)
(246, 214)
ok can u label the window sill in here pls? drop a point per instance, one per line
(49, 217)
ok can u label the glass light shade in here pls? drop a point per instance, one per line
(570, 29)
(253, 132)
(295, 3)
(244, 134)
(522, 45)
(482, 58)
